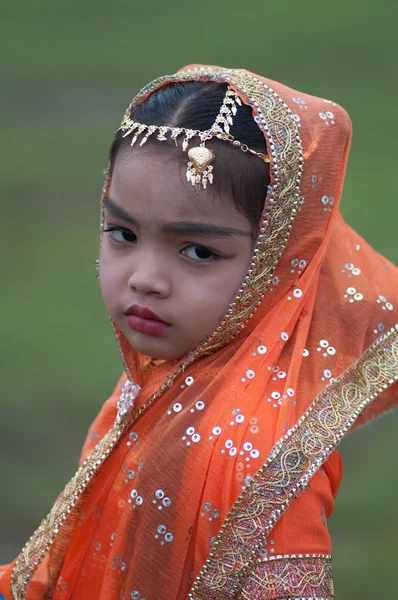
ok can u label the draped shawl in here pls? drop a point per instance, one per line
(217, 480)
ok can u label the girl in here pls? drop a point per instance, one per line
(256, 330)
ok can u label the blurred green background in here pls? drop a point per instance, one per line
(68, 70)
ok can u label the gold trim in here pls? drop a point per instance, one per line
(291, 576)
(66, 505)
(290, 465)
(39, 543)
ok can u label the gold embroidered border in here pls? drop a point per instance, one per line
(38, 544)
(291, 576)
(290, 465)
(280, 129)
(66, 504)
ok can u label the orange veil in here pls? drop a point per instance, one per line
(216, 481)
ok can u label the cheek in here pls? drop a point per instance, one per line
(108, 292)
(111, 280)
(211, 295)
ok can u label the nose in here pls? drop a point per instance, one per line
(149, 276)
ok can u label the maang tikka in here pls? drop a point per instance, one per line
(200, 165)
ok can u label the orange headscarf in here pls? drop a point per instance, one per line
(217, 480)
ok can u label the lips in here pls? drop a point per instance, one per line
(141, 319)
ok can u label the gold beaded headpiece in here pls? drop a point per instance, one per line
(201, 159)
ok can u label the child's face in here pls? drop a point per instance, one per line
(178, 255)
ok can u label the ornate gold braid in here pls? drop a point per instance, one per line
(66, 504)
(291, 576)
(289, 467)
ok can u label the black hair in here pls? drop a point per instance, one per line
(195, 105)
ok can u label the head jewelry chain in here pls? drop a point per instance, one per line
(201, 159)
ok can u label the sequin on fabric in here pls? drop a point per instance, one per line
(289, 467)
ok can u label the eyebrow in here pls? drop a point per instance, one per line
(178, 226)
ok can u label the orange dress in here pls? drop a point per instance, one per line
(214, 477)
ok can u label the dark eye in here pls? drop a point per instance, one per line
(121, 235)
(199, 253)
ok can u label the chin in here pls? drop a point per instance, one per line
(154, 347)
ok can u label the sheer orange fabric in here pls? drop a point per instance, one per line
(281, 391)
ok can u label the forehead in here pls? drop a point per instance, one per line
(153, 186)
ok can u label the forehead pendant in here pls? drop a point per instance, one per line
(200, 168)
(201, 159)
